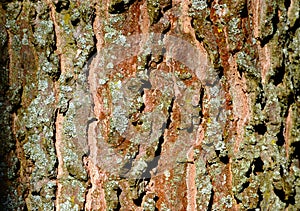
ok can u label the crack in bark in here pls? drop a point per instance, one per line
(21, 9)
(275, 21)
(119, 6)
(154, 162)
(57, 162)
(58, 116)
(89, 183)
(211, 200)
(119, 191)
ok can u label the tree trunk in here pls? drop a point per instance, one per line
(150, 105)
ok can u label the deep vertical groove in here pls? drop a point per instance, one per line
(275, 21)
(57, 162)
(211, 200)
(154, 162)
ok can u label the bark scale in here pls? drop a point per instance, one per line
(150, 105)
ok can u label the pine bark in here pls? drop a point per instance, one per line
(150, 105)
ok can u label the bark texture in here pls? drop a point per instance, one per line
(150, 105)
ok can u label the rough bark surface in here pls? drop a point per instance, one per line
(150, 105)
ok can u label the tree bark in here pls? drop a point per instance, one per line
(150, 105)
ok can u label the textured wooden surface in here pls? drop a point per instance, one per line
(149, 105)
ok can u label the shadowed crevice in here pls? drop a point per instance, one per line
(261, 129)
(275, 21)
(211, 201)
(280, 136)
(139, 200)
(154, 162)
(119, 6)
(119, 191)
(62, 5)
(258, 165)
(244, 12)
(288, 199)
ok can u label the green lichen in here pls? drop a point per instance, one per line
(35, 202)
(75, 15)
(154, 10)
(43, 154)
(111, 195)
(3, 35)
(293, 13)
(203, 184)
(25, 38)
(112, 34)
(12, 172)
(75, 147)
(149, 204)
(13, 9)
(227, 201)
(119, 120)
(267, 28)
(73, 194)
(199, 4)
(184, 75)
(138, 169)
(247, 64)
(43, 32)
(235, 32)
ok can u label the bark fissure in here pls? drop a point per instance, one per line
(211, 200)
(57, 161)
(274, 21)
(151, 165)
(59, 119)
